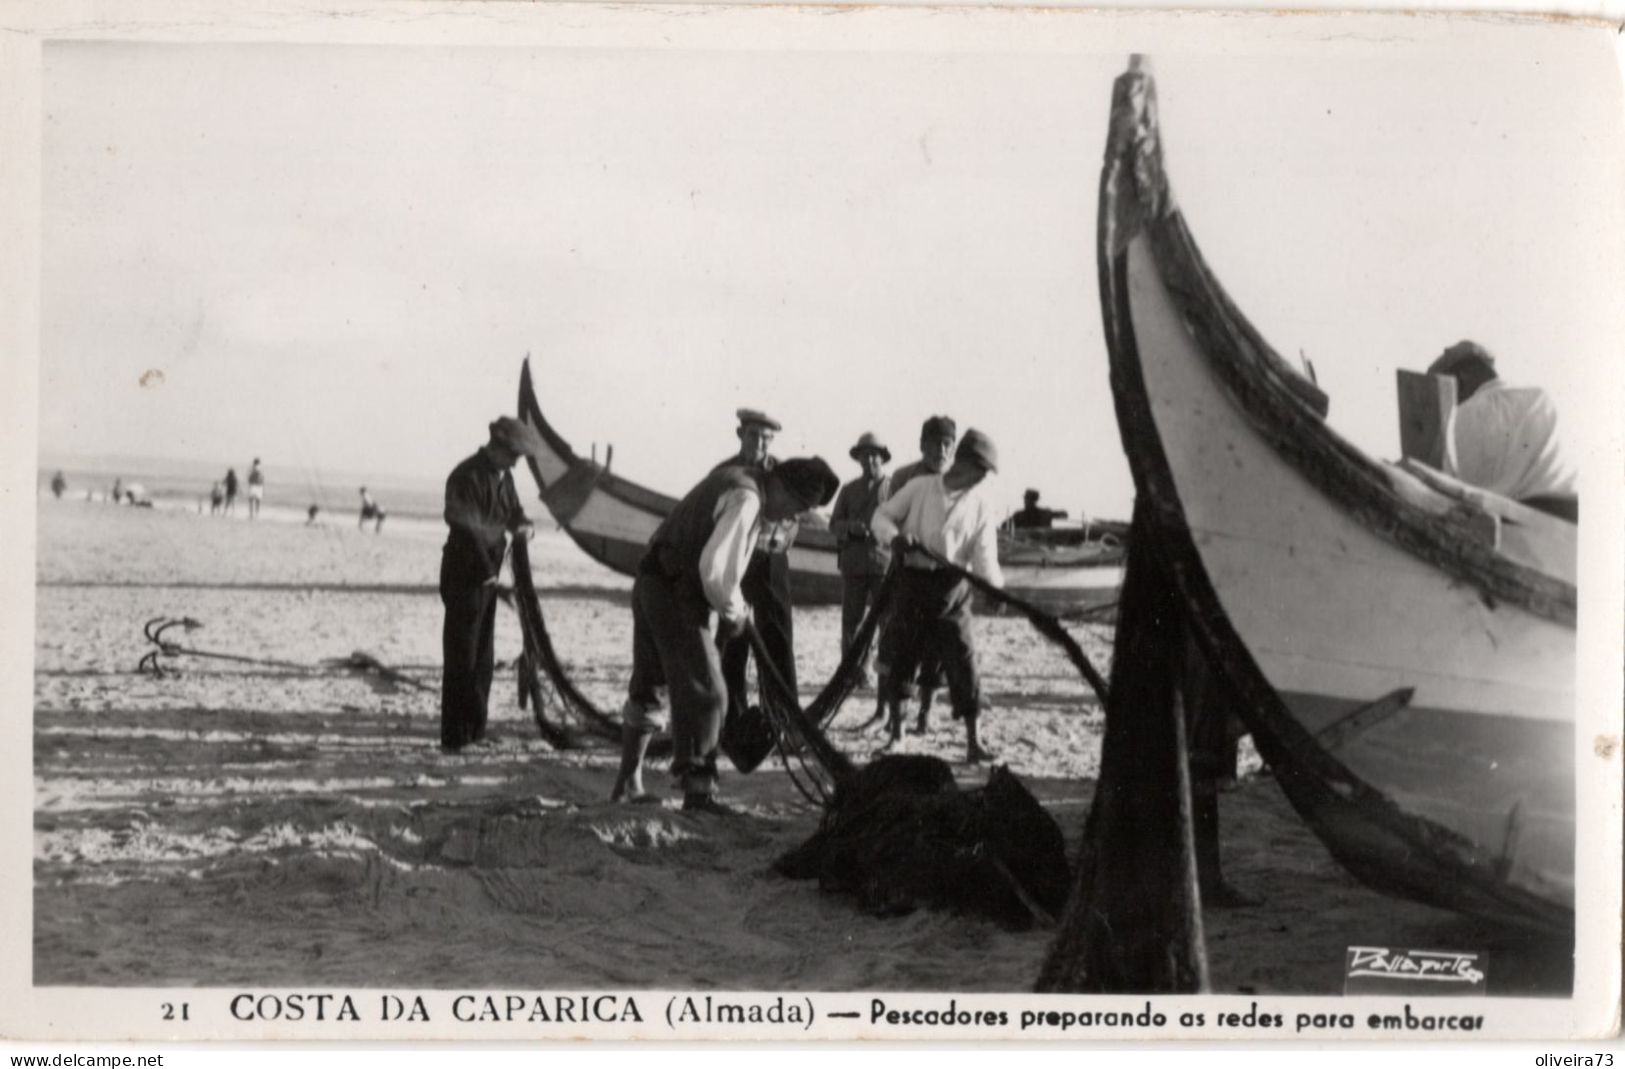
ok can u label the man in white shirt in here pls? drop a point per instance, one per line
(767, 577)
(690, 575)
(1505, 438)
(932, 613)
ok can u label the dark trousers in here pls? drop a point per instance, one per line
(931, 620)
(766, 587)
(673, 622)
(466, 643)
(857, 594)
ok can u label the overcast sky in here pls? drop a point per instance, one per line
(336, 256)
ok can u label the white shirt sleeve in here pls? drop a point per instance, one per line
(985, 550)
(889, 517)
(727, 552)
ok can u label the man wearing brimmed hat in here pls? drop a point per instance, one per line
(861, 557)
(767, 577)
(482, 510)
(1505, 438)
(691, 573)
(946, 514)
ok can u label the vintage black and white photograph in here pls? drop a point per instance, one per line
(780, 523)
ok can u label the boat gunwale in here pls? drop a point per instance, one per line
(1371, 836)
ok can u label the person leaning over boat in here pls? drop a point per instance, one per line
(767, 578)
(861, 557)
(1034, 517)
(946, 514)
(693, 572)
(1505, 438)
(937, 437)
(482, 511)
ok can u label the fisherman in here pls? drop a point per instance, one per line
(937, 436)
(1505, 438)
(482, 511)
(1032, 516)
(861, 557)
(948, 515)
(256, 489)
(767, 578)
(695, 566)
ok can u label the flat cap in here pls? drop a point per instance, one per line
(515, 435)
(978, 448)
(747, 416)
(809, 480)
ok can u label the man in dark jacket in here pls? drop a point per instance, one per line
(695, 567)
(482, 510)
(861, 558)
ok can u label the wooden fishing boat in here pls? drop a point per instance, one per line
(612, 518)
(1402, 647)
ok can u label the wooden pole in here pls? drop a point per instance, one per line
(1134, 921)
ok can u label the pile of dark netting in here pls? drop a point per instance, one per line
(899, 835)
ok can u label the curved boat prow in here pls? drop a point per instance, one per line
(1318, 593)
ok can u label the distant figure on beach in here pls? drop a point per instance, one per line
(310, 515)
(695, 566)
(946, 514)
(861, 558)
(256, 489)
(231, 490)
(217, 498)
(118, 490)
(59, 484)
(1505, 438)
(1032, 516)
(482, 511)
(370, 511)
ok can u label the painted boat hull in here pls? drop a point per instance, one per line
(1317, 590)
(612, 519)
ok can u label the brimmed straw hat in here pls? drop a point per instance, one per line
(868, 442)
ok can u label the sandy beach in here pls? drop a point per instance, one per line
(238, 823)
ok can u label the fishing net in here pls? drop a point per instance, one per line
(539, 653)
(899, 835)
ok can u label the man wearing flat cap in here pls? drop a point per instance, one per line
(482, 510)
(691, 575)
(861, 557)
(947, 515)
(767, 577)
(1505, 438)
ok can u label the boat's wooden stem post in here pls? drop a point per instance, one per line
(1134, 921)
